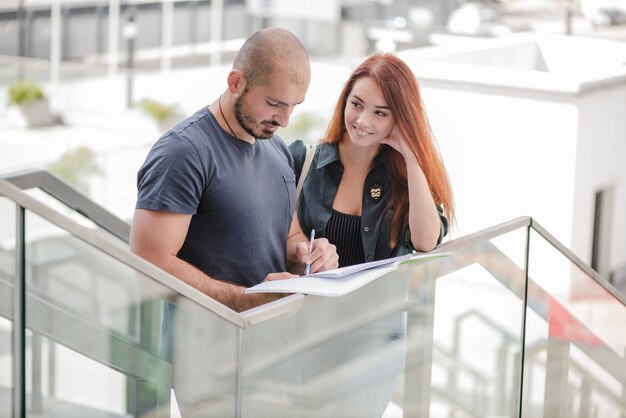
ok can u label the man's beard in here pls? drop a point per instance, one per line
(247, 122)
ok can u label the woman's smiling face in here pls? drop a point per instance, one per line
(367, 117)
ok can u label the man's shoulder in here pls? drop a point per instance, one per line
(199, 132)
(196, 127)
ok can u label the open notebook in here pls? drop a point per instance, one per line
(340, 281)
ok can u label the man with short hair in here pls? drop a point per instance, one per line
(216, 194)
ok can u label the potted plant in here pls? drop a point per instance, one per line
(306, 126)
(75, 167)
(33, 103)
(165, 115)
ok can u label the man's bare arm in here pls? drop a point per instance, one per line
(158, 236)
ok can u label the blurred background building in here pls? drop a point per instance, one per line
(156, 56)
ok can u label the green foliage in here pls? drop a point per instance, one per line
(158, 111)
(307, 127)
(24, 93)
(75, 166)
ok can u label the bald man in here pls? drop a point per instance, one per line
(216, 194)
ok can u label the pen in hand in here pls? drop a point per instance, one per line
(308, 265)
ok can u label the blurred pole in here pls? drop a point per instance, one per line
(21, 39)
(130, 34)
(217, 13)
(569, 14)
(193, 26)
(114, 39)
(55, 43)
(443, 10)
(167, 24)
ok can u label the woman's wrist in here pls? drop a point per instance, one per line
(410, 159)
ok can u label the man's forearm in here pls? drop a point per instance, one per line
(228, 294)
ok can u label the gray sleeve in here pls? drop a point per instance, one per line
(171, 179)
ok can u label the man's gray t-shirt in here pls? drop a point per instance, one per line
(241, 197)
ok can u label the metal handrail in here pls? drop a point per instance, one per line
(293, 302)
(523, 221)
(114, 248)
(64, 193)
(578, 262)
(257, 314)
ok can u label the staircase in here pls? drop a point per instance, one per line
(511, 324)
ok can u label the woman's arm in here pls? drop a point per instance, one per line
(424, 221)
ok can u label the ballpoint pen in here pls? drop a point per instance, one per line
(308, 265)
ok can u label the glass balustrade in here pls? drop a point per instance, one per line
(337, 356)
(7, 277)
(105, 340)
(509, 324)
(575, 348)
(465, 331)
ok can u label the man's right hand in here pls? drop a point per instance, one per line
(257, 299)
(279, 276)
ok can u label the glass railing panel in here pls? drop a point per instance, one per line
(6, 366)
(334, 356)
(575, 340)
(107, 179)
(7, 277)
(54, 388)
(73, 200)
(205, 359)
(102, 186)
(464, 331)
(7, 240)
(92, 318)
(56, 205)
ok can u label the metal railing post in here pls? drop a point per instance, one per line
(19, 318)
(522, 349)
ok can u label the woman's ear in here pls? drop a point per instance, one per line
(236, 82)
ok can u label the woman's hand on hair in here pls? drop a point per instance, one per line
(397, 142)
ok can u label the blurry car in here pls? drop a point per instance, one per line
(479, 19)
(608, 16)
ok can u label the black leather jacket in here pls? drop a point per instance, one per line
(318, 195)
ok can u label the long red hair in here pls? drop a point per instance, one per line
(401, 92)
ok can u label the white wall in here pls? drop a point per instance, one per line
(523, 139)
(506, 156)
(601, 163)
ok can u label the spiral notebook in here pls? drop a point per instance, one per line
(343, 280)
(346, 271)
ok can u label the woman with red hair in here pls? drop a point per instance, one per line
(377, 187)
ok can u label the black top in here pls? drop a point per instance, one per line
(344, 231)
(241, 197)
(319, 191)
